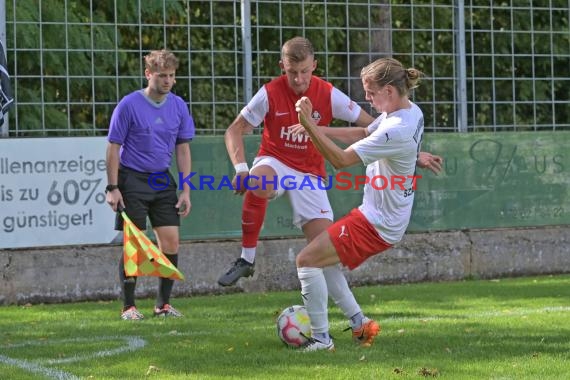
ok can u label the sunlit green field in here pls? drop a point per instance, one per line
(500, 329)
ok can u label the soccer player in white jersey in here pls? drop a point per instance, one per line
(389, 147)
(282, 155)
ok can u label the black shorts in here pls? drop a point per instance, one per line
(143, 200)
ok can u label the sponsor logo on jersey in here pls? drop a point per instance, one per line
(316, 116)
(299, 141)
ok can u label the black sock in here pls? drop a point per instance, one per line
(165, 284)
(128, 285)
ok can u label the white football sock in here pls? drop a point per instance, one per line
(315, 297)
(322, 337)
(340, 291)
(248, 254)
(356, 320)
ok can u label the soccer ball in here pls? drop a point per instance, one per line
(292, 324)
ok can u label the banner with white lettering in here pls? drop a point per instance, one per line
(52, 192)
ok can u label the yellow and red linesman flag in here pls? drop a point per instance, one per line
(142, 257)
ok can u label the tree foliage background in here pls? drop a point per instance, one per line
(72, 61)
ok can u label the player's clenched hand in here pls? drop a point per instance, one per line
(304, 109)
(239, 183)
(430, 161)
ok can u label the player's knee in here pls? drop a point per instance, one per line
(304, 259)
(170, 247)
(264, 193)
(263, 184)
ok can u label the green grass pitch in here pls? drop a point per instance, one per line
(480, 329)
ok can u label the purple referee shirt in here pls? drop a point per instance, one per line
(148, 131)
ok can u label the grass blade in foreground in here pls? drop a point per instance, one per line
(501, 329)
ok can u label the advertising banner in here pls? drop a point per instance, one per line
(52, 192)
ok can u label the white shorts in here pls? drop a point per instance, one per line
(307, 194)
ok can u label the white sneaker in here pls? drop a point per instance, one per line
(131, 314)
(316, 345)
(167, 311)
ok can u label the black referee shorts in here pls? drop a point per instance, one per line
(143, 199)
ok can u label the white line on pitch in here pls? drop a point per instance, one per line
(35, 366)
(28, 366)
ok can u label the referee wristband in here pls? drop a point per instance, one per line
(241, 167)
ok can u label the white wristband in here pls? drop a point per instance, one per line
(241, 167)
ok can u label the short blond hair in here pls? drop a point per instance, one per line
(297, 49)
(158, 60)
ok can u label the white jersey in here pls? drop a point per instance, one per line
(390, 153)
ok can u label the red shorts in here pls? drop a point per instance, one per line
(356, 239)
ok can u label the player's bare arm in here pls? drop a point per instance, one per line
(345, 135)
(236, 151)
(184, 164)
(364, 119)
(233, 138)
(333, 153)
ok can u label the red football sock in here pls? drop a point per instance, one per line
(252, 216)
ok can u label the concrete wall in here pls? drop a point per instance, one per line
(78, 273)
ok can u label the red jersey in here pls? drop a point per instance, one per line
(297, 152)
(274, 105)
